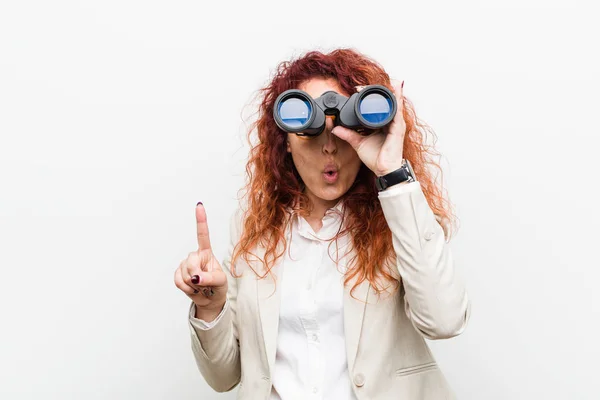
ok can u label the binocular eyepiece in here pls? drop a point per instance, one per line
(372, 108)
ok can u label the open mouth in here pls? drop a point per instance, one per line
(330, 176)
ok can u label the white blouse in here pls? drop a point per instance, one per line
(311, 360)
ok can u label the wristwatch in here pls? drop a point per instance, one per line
(402, 174)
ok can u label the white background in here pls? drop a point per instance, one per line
(116, 117)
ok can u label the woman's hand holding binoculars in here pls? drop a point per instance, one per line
(200, 275)
(381, 152)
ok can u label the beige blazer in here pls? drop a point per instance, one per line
(388, 357)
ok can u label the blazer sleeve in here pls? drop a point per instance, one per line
(436, 301)
(216, 349)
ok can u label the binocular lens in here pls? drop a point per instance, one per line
(295, 112)
(375, 108)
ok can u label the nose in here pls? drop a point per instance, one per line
(330, 145)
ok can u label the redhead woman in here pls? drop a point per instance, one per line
(338, 266)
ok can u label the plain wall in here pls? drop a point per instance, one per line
(116, 117)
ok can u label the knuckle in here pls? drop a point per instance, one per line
(193, 263)
(179, 285)
(178, 275)
(191, 272)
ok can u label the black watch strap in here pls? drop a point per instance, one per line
(402, 174)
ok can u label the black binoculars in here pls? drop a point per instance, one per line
(372, 108)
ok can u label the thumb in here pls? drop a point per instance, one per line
(349, 135)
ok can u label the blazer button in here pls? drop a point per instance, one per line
(359, 380)
(428, 235)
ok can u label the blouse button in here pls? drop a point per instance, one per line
(359, 380)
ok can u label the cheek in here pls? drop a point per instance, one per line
(304, 152)
(302, 160)
(351, 159)
(352, 169)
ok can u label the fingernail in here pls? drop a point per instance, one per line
(195, 279)
(402, 86)
(197, 204)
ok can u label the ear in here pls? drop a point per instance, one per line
(289, 149)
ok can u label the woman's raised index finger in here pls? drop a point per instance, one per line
(202, 227)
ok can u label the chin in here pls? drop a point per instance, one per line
(332, 192)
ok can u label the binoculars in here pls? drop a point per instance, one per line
(372, 108)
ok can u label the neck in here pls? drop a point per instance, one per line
(320, 206)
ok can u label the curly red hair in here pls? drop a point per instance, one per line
(274, 185)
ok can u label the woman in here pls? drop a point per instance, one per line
(330, 285)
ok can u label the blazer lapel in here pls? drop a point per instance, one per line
(354, 311)
(269, 298)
